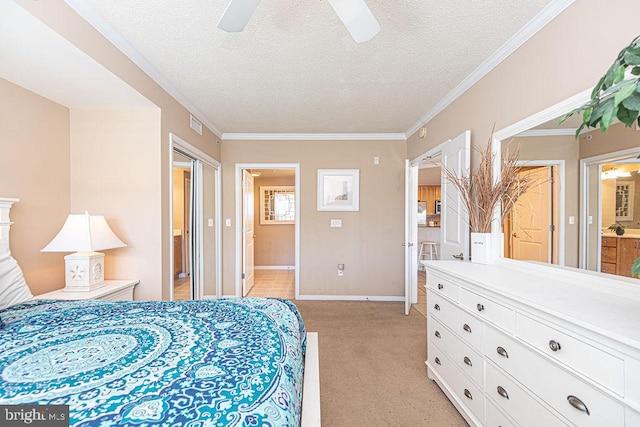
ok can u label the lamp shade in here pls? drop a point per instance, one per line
(84, 233)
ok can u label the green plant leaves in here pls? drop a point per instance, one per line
(624, 92)
(635, 268)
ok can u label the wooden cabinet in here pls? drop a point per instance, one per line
(177, 256)
(628, 251)
(609, 257)
(515, 343)
(429, 194)
(618, 255)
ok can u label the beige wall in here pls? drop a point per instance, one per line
(616, 138)
(368, 242)
(274, 243)
(566, 57)
(115, 172)
(34, 167)
(558, 148)
(174, 119)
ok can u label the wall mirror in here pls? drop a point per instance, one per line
(592, 184)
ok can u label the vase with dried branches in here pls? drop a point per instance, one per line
(481, 194)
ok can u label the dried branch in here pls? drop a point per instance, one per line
(481, 194)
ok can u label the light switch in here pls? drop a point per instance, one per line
(572, 220)
(210, 222)
(336, 223)
(227, 222)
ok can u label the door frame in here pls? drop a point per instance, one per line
(177, 143)
(560, 164)
(412, 217)
(585, 163)
(239, 167)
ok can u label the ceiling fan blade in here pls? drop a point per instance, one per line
(237, 15)
(356, 16)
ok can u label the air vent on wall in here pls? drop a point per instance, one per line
(196, 125)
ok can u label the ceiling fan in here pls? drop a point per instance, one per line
(354, 14)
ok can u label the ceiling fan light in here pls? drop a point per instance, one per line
(237, 15)
(357, 18)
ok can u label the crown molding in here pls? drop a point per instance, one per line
(547, 132)
(314, 136)
(89, 14)
(538, 22)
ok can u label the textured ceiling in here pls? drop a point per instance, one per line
(296, 69)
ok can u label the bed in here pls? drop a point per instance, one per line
(223, 362)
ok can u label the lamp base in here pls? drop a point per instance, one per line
(84, 271)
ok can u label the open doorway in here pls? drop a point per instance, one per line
(445, 234)
(609, 188)
(267, 201)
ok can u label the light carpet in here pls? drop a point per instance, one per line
(372, 370)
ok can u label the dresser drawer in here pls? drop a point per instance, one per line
(443, 286)
(492, 311)
(608, 255)
(600, 366)
(459, 384)
(516, 402)
(467, 360)
(495, 418)
(459, 321)
(561, 390)
(610, 242)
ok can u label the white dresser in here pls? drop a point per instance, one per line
(526, 344)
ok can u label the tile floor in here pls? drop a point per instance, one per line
(273, 283)
(181, 289)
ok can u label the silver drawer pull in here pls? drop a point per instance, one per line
(502, 352)
(467, 361)
(437, 334)
(437, 361)
(480, 307)
(466, 328)
(554, 345)
(502, 392)
(437, 307)
(578, 404)
(440, 286)
(468, 394)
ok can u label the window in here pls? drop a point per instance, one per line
(277, 205)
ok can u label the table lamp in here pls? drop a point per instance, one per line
(84, 234)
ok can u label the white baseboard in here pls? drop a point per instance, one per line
(274, 267)
(350, 298)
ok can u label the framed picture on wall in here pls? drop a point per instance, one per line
(338, 189)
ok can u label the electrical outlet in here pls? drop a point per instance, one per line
(340, 269)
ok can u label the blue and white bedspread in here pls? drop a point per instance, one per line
(219, 362)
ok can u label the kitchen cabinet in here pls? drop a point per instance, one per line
(429, 194)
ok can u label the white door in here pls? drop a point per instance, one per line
(454, 219)
(248, 232)
(410, 236)
(531, 219)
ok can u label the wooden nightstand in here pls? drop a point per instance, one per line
(114, 290)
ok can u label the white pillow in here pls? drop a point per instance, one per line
(13, 288)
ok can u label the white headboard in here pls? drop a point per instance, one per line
(5, 223)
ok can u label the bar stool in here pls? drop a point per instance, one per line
(428, 248)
